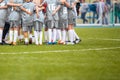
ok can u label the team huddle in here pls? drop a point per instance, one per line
(57, 16)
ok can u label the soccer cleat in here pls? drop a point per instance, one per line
(54, 43)
(14, 43)
(61, 42)
(37, 44)
(10, 43)
(49, 43)
(77, 41)
(40, 44)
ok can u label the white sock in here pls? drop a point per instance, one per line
(54, 35)
(40, 38)
(75, 34)
(26, 40)
(30, 35)
(59, 34)
(66, 39)
(11, 35)
(46, 35)
(63, 35)
(33, 39)
(70, 34)
(1, 31)
(15, 35)
(21, 36)
(36, 37)
(50, 34)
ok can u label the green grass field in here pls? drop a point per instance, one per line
(97, 57)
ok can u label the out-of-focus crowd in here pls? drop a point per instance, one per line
(103, 11)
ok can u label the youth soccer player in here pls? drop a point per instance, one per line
(14, 18)
(71, 20)
(52, 20)
(38, 23)
(63, 21)
(27, 17)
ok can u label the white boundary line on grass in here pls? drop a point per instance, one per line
(105, 39)
(61, 51)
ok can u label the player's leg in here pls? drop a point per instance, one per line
(59, 32)
(70, 33)
(40, 33)
(25, 33)
(11, 33)
(30, 33)
(15, 33)
(70, 30)
(64, 31)
(36, 32)
(49, 32)
(46, 32)
(20, 32)
(76, 37)
(55, 32)
(2, 23)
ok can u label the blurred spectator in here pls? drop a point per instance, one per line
(117, 10)
(83, 9)
(105, 14)
(100, 10)
(108, 2)
(77, 7)
(93, 8)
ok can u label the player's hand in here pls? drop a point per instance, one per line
(54, 12)
(45, 17)
(15, 8)
(19, 5)
(37, 16)
(62, 1)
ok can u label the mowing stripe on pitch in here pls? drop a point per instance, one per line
(61, 51)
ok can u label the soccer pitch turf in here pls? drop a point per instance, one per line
(97, 57)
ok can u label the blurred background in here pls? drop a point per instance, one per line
(98, 12)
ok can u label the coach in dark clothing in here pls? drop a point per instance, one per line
(77, 8)
(5, 31)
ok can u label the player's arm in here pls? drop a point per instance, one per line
(67, 4)
(37, 10)
(56, 10)
(3, 7)
(70, 6)
(25, 10)
(13, 4)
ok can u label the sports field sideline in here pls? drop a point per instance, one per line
(97, 57)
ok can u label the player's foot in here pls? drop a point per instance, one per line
(61, 42)
(77, 41)
(40, 44)
(54, 43)
(10, 43)
(37, 44)
(14, 43)
(49, 43)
